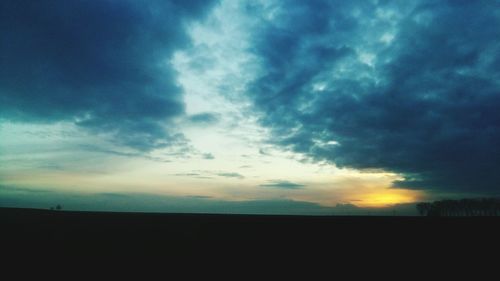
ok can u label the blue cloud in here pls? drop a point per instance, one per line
(283, 185)
(205, 118)
(102, 65)
(208, 156)
(423, 103)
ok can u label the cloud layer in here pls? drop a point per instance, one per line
(103, 65)
(411, 88)
(281, 184)
(143, 202)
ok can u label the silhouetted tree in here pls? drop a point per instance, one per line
(423, 208)
(463, 207)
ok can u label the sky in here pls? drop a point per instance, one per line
(234, 106)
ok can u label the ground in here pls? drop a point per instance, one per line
(30, 232)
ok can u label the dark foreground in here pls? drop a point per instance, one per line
(29, 233)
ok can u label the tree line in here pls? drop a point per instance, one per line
(463, 207)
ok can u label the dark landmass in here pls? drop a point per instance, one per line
(32, 232)
(467, 207)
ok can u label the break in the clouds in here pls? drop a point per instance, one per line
(103, 65)
(411, 87)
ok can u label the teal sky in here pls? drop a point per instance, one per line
(289, 107)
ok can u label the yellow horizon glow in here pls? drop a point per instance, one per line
(389, 197)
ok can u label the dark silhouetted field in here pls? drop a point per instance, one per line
(28, 232)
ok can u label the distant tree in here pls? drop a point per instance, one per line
(58, 207)
(423, 208)
(463, 207)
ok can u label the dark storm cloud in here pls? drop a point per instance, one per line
(283, 185)
(427, 107)
(100, 64)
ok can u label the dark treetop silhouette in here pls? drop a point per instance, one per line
(463, 207)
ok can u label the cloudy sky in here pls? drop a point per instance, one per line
(291, 106)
